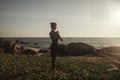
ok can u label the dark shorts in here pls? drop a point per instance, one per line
(54, 48)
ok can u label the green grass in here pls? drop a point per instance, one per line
(23, 67)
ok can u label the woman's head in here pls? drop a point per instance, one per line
(53, 25)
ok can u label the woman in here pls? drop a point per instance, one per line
(54, 35)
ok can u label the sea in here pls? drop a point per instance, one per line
(44, 42)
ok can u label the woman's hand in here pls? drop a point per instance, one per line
(59, 36)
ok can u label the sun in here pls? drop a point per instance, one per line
(115, 18)
(115, 14)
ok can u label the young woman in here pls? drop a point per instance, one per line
(54, 35)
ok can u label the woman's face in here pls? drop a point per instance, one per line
(55, 27)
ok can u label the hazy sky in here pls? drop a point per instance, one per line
(74, 18)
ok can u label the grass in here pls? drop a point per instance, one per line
(24, 67)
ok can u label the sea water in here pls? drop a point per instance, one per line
(45, 42)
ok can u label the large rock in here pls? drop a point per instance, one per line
(112, 49)
(43, 51)
(28, 51)
(77, 49)
(62, 49)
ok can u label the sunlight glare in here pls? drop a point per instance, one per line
(115, 18)
(116, 14)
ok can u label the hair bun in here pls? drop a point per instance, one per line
(53, 23)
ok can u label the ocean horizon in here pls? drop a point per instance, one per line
(44, 42)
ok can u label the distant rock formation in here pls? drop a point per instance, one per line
(35, 43)
(22, 42)
(79, 48)
(112, 49)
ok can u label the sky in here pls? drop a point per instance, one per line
(74, 18)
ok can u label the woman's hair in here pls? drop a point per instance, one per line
(53, 25)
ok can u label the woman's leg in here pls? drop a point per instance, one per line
(53, 59)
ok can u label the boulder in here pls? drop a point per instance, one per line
(43, 51)
(26, 43)
(29, 52)
(112, 49)
(35, 43)
(22, 42)
(79, 48)
(62, 50)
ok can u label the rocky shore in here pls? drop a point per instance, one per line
(72, 49)
(109, 55)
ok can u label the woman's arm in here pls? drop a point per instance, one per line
(59, 36)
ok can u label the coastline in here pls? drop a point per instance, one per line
(44, 42)
(86, 66)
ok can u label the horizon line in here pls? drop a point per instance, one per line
(62, 37)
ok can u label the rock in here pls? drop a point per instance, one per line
(35, 43)
(7, 47)
(77, 49)
(62, 46)
(22, 42)
(29, 52)
(1, 45)
(43, 51)
(63, 50)
(99, 51)
(26, 43)
(112, 49)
